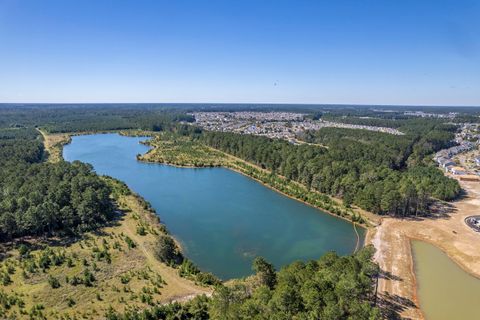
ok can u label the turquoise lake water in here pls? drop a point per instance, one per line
(222, 218)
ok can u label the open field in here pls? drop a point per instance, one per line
(445, 229)
(183, 153)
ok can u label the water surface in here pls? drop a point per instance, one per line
(222, 218)
(445, 291)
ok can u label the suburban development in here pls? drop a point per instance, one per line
(276, 125)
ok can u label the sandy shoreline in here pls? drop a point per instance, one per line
(447, 231)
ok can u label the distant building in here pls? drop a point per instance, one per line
(445, 162)
(457, 170)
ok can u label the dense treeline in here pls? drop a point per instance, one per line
(421, 139)
(38, 198)
(83, 118)
(406, 124)
(381, 173)
(331, 288)
(101, 117)
(394, 116)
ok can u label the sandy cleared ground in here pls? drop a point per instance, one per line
(446, 230)
(54, 145)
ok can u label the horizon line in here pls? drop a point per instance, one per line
(246, 103)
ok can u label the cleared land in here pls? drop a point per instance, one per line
(54, 144)
(446, 229)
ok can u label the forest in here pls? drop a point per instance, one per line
(381, 173)
(40, 198)
(90, 118)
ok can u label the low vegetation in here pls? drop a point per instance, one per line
(54, 145)
(180, 151)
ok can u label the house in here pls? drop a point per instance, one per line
(457, 170)
(439, 159)
(446, 163)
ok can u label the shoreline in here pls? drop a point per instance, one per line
(367, 228)
(415, 297)
(358, 245)
(152, 215)
(442, 232)
(368, 224)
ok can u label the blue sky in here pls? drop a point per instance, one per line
(418, 52)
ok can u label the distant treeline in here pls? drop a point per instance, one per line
(376, 115)
(382, 173)
(39, 198)
(101, 117)
(91, 118)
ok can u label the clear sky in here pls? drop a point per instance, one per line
(362, 52)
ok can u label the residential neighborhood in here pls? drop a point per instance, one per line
(276, 125)
(467, 140)
(423, 114)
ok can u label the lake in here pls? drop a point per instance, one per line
(445, 291)
(222, 219)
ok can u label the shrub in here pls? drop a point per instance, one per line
(131, 244)
(70, 302)
(167, 251)
(53, 282)
(141, 230)
(88, 278)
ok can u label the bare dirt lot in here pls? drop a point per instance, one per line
(446, 229)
